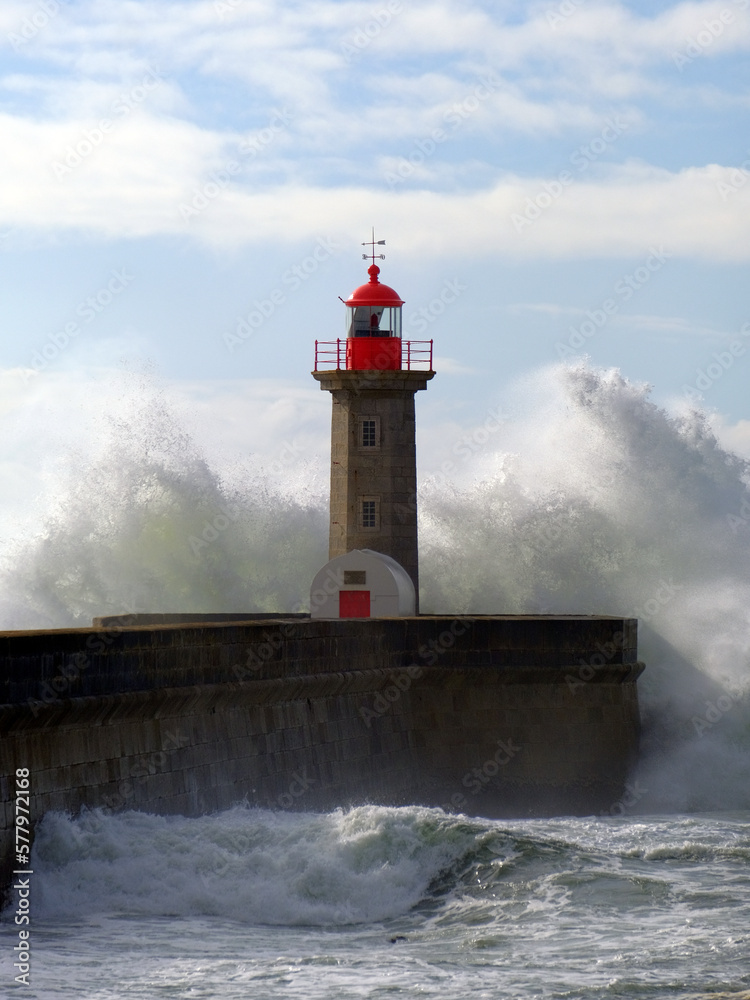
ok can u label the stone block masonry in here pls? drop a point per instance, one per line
(383, 471)
(491, 715)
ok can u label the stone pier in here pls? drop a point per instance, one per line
(489, 715)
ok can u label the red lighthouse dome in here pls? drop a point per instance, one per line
(373, 326)
(373, 293)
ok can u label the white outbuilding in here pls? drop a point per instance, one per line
(362, 584)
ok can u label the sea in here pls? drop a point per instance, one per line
(587, 497)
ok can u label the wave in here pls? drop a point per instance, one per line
(250, 865)
(422, 867)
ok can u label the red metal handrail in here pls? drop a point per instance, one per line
(325, 355)
(330, 355)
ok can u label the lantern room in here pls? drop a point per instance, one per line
(373, 326)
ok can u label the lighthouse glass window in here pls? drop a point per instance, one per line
(373, 321)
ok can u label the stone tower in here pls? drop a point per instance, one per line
(373, 449)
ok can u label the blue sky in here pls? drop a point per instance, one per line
(553, 180)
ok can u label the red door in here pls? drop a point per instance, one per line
(354, 604)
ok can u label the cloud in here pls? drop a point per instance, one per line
(674, 325)
(136, 179)
(120, 180)
(636, 322)
(553, 309)
(301, 53)
(349, 124)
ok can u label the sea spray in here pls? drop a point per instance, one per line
(601, 502)
(593, 500)
(136, 519)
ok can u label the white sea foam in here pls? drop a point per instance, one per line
(150, 906)
(249, 865)
(372, 864)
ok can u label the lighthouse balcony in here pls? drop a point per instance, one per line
(373, 353)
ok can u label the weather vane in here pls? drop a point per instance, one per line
(373, 243)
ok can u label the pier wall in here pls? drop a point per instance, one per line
(491, 715)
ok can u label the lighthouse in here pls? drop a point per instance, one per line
(373, 376)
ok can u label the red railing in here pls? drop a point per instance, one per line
(330, 355)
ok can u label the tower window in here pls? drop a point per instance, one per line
(368, 432)
(369, 513)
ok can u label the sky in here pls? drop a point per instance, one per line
(185, 188)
